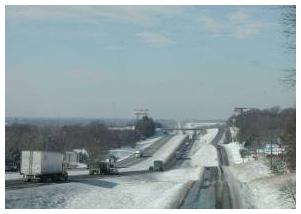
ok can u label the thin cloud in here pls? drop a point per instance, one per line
(155, 39)
(247, 30)
(238, 16)
(213, 25)
(144, 15)
(238, 25)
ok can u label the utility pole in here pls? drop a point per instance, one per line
(271, 148)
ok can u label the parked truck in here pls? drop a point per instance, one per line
(43, 165)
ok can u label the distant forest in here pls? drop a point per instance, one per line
(95, 137)
(258, 127)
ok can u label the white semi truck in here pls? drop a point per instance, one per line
(43, 165)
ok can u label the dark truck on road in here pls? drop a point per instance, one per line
(102, 167)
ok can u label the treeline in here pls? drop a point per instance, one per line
(96, 138)
(258, 127)
(146, 127)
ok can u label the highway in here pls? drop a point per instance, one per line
(212, 190)
(209, 192)
(148, 152)
(132, 160)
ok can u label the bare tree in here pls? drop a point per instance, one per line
(288, 191)
(288, 21)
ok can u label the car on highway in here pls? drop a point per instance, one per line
(206, 183)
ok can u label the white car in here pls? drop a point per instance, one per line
(138, 154)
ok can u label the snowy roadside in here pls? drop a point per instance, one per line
(233, 152)
(12, 176)
(17, 176)
(155, 190)
(253, 182)
(203, 153)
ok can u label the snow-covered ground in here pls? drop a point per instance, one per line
(77, 165)
(16, 175)
(154, 190)
(12, 176)
(258, 187)
(163, 154)
(253, 182)
(78, 172)
(233, 152)
(234, 132)
(233, 148)
(203, 153)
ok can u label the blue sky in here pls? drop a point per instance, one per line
(178, 61)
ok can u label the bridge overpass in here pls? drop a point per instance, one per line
(198, 128)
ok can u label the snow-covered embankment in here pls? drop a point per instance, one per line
(253, 182)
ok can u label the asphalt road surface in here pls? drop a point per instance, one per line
(212, 190)
(19, 184)
(148, 152)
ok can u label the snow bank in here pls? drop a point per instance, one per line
(78, 165)
(251, 170)
(17, 176)
(233, 152)
(258, 187)
(12, 176)
(193, 173)
(78, 172)
(138, 195)
(203, 153)
(267, 194)
(234, 132)
(50, 196)
(206, 156)
(203, 140)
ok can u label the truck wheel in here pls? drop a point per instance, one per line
(55, 178)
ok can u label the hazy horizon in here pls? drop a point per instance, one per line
(180, 62)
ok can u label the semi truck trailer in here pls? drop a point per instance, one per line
(42, 166)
